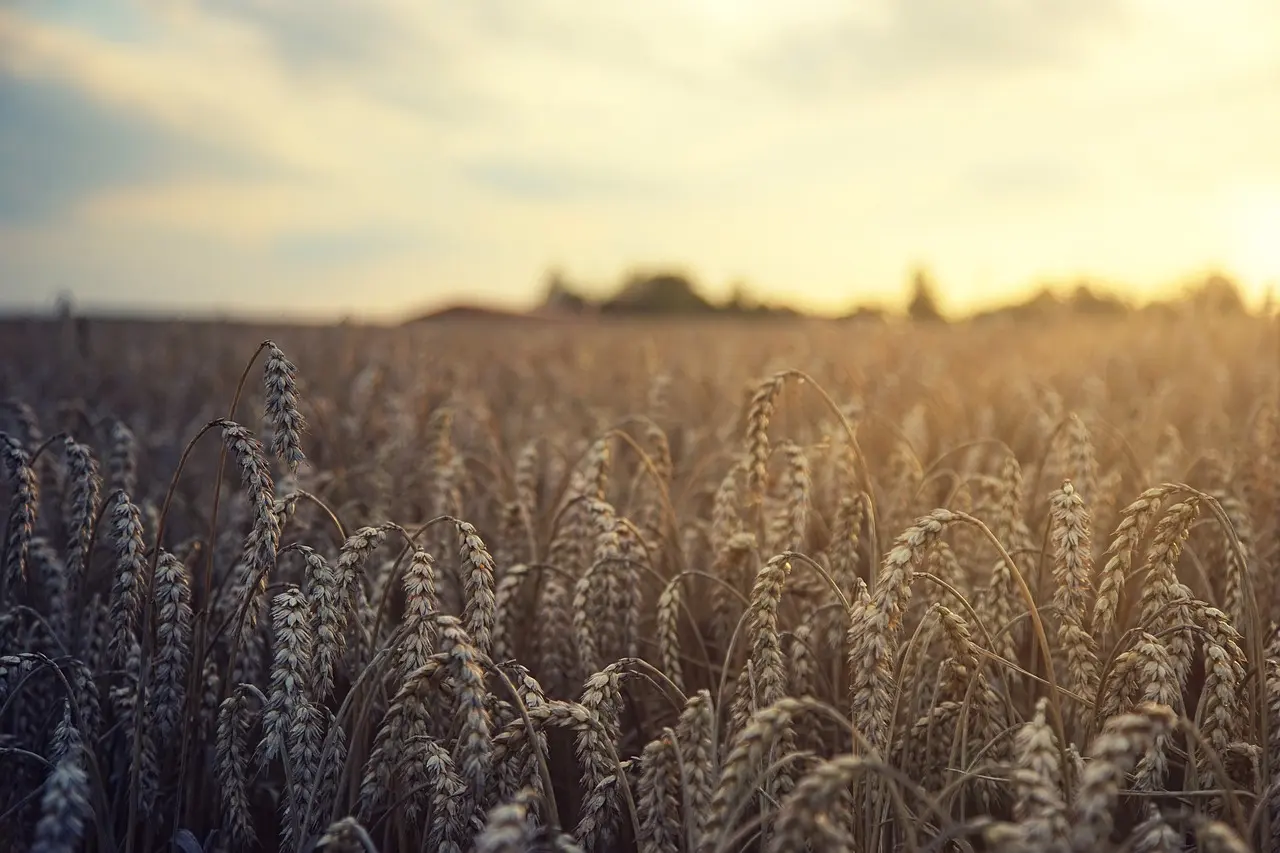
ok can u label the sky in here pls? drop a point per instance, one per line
(376, 158)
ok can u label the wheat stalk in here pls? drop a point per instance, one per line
(287, 423)
(21, 523)
(64, 802)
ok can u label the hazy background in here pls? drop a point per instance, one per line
(373, 157)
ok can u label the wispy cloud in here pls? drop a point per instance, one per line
(888, 44)
(59, 146)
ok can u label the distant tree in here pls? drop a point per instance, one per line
(1042, 304)
(1086, 301)
(1218, 294)
(866, 314)
(661, 293)
(924, 305)
(559, 296)
(740, 300)
(64, 306)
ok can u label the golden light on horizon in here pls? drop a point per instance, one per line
(1256, 253)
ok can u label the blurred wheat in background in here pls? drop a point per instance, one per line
(659, 585)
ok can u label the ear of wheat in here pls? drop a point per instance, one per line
(527, 592)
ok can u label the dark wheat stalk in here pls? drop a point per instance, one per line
(64, 805)
(21, 523)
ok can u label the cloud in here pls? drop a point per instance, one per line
(1019, 180)
(214, 79)
(892, 43)
(551, 181)
(350, 247)
(58, 146)
(322, 36)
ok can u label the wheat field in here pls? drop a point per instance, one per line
(673, 587)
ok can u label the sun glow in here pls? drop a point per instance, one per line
(1256, 253)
